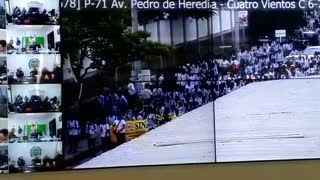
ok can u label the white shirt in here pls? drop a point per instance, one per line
(192, 79)
(179, 78)
(111, 119)
(74, 127)
(146, 94)
(104, 130)
(131, 89)
(197, 70)
(190, 87)
(157, 92)
(225, 63)
(183, 79)
(161, 78)
(92, 130)
(118, 125)
(199, 101)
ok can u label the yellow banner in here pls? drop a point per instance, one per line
(134, 129)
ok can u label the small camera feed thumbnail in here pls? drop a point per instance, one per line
(37, 127)
(32, 12)
(34, 98)
(35, 157)
(3, 42)
(2, 14)
(3, 102)
(39, 39)
(35, 142)
(4, 165)
(34, 69)
(4, 134)
(3, 70)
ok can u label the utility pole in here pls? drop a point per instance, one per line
(221, 30)
(134, 28)
(236, 31)
(231, 25)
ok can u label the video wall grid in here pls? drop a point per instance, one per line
(204, 101)
(30, 65)
(177, 94)
(4, 121)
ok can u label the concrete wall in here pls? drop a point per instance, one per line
(191, 31)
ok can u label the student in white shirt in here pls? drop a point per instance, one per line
(183, 79)
(179, 78)
(146, 95)
(132, 94)
(192, 79)
(105, 135)
(189, 86)
(92, 131)
(131, 89)
(73, 132)
(152, 121)
(120, 130)
(111, 119)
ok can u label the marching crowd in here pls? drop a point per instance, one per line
(195, 84)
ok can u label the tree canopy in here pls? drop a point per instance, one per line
(105, 37)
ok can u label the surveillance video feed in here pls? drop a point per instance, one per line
(104, 84)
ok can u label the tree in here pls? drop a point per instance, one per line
(106, 39)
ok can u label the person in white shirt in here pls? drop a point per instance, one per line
(161, 79)
(199, 101)
(157, 92)
(182, 110)
(271, 75)
(152, 121)
(249, 70)
(105, 135)
(183, 80)
(92, 131)
(192, 79)
(111, 119)
(179, 78)
(197, 79)
(131, 89)
(120, 130)
(225, 66)
(73, 132)
(146, 95)
(189, 87)
(132, 94)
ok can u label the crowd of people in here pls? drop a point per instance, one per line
(195, 84)
(277, 61)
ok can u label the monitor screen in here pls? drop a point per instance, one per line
(145, 83)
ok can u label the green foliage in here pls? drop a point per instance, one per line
(105, 37)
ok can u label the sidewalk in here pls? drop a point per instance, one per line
(82, 154)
